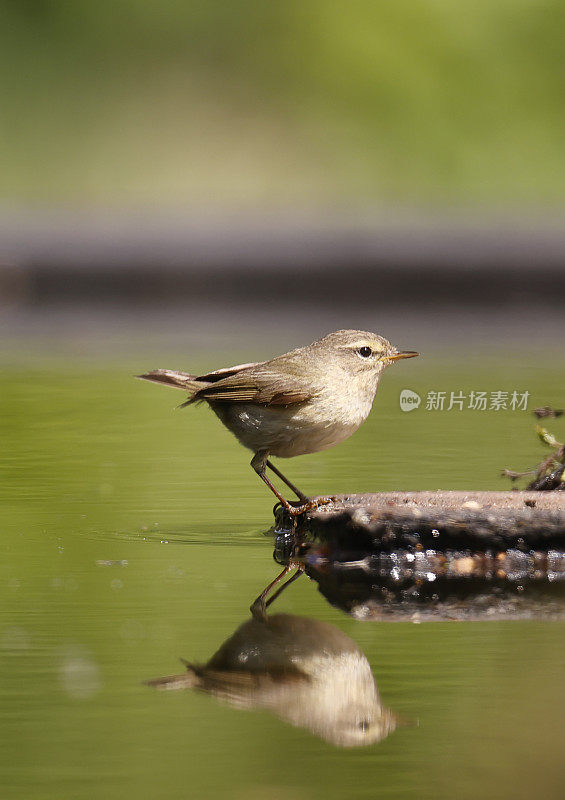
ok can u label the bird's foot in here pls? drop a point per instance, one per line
(287, 514)
(259, 610)
(325, 501)
(298, 508)
(311, 504)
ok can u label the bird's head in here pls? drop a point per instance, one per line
(361, 352)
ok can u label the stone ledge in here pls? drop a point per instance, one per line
(477, 521)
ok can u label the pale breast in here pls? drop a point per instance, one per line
(297, 430)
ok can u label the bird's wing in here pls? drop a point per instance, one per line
(192, 383)
(258, 385)
(262, 382)
(244, 688)
(227, 372)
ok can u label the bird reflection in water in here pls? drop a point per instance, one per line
(306, 672)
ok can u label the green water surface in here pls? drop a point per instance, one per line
(98, 468)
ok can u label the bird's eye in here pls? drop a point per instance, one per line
(364, 725)
(365, 352)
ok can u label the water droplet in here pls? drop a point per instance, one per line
(79, 676)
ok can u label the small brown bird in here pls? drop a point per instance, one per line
(307, 400)
(306, 672)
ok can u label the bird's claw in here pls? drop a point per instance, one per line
(310, 505)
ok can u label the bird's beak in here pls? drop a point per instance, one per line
(403, 354)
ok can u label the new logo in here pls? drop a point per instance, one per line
(409, 400)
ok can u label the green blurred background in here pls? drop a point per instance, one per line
(311, 103)
(192, 184)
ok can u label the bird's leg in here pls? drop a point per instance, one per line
(259, 464)
(259, 606)
(291, 486)
(297, 574)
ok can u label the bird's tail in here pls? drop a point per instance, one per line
(179, 380)
(188, 680)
